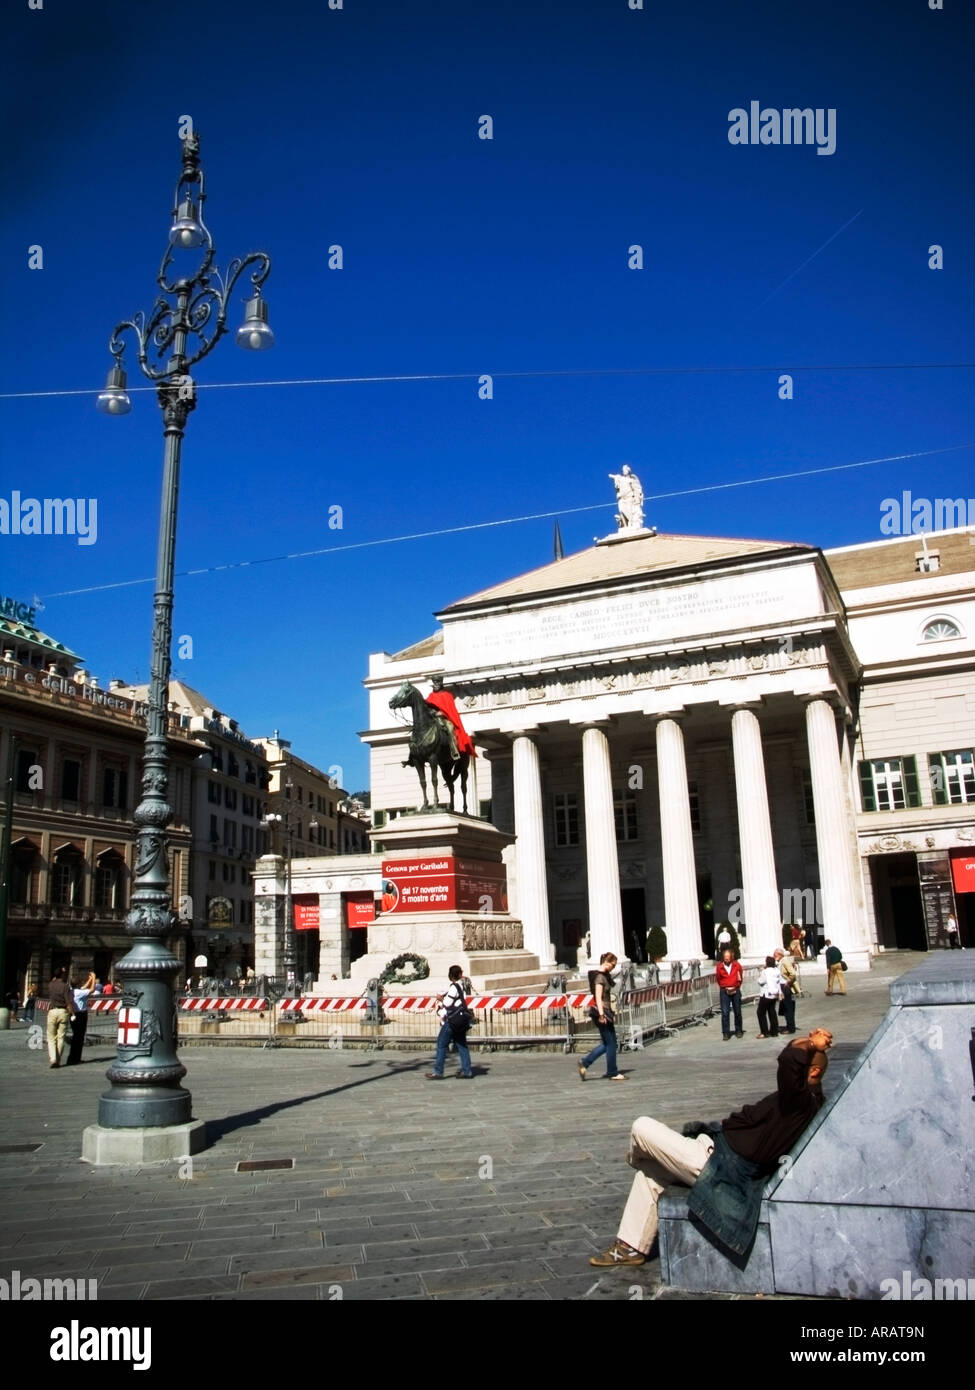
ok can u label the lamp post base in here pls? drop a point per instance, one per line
(136, 1147)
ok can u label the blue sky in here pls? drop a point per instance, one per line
(358, 127)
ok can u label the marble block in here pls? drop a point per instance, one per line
(689, 1261)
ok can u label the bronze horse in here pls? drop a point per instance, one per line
(432, 742)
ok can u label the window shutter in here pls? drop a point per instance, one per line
(867, 798)
(936, 770)
(911, 788)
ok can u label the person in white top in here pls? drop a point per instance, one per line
(83, 986)
(449, 1005)
(768, 999)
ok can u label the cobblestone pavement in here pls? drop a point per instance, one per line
(402, 1188)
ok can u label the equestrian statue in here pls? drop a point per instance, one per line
(439, 739)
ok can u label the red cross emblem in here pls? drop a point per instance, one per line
(129, 1022)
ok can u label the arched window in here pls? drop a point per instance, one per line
(23, 864)
(67, 876)
(109, 880)
(940, 629)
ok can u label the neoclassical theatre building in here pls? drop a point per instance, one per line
(682, 730)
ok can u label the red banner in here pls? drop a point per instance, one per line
(443, 883)
(306, 912)
(360, 910)
(963, 870)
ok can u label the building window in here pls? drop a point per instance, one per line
(953, 777)
(247, 805)
(624, 813)
(233, 766)
(229, 873)
(108, 882)
(216, 759)
(212, 869)
(940, 630)
(23, 858)
(695, 804)
(27, 762)
(230, 834)
(213, 792)
(247, 839)
(115, 788)
(565, 810)
(214, 830)
(66, 877)
(71, 780)
(889, 784)
(250, 776)
(230, 798)
(808, 803)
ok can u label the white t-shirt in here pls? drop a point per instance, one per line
(80, 999)
(769, 982)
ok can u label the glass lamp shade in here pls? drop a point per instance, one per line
(186, 231)
(114, 400)
(254, 333)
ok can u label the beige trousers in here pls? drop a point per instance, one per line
(661, 1156)
(57, 1026)
(836, 982)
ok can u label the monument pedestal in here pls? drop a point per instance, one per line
(445, 898)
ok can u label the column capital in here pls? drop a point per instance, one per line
(526, 731)
(677, 713)
(597, 721)
(733, 706)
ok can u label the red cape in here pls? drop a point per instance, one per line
(445, 703)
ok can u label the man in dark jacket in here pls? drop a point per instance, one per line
(62, 1008)
(747, 1146)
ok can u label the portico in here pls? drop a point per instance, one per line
(665, 723)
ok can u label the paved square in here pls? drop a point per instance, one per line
(496, 1188)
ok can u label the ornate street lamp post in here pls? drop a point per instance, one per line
(187, 321)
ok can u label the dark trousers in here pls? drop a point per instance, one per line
(768, 1022)
(79, 1025)
(729, 1002)
(789, 1008)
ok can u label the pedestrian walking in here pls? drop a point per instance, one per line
(768, 998)
(788, 988)
(729, 974)
(726, 1164)
(835, 968)
(62, 1007)
(455, 1021)
(83, 986)
(30, 1004)
(604, 1017)
(951, 927)
(723, 942)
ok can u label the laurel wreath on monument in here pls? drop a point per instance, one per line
(396, 974)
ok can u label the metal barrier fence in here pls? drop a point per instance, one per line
(411, 1021)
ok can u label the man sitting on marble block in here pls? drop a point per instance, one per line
(735, 1157)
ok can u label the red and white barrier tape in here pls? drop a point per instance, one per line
(249, 1005)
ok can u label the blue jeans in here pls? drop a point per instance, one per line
(607, 1033)
(729, 1002)
(445, 1037)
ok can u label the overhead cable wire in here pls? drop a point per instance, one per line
(514, 520)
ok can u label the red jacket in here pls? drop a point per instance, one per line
(730, 976)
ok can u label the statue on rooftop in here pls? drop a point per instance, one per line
(629, 497)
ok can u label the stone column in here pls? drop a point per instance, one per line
(762, 910)
(844, 919)
(602, 863)
(530, 848)
(683, 919)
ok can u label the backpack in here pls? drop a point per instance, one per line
(460, 1017)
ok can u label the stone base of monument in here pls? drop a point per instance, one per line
(445, 898)
(134, 1147)
(877, 1199)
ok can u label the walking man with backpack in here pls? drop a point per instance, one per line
(835, 967)
(455, 1020)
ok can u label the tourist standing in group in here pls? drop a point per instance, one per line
(450, 1004)
(729, 975)
(602, 1014)
(789, 987)
(835, 969)
(83, 986)
(768, 999)
(62, 1007)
